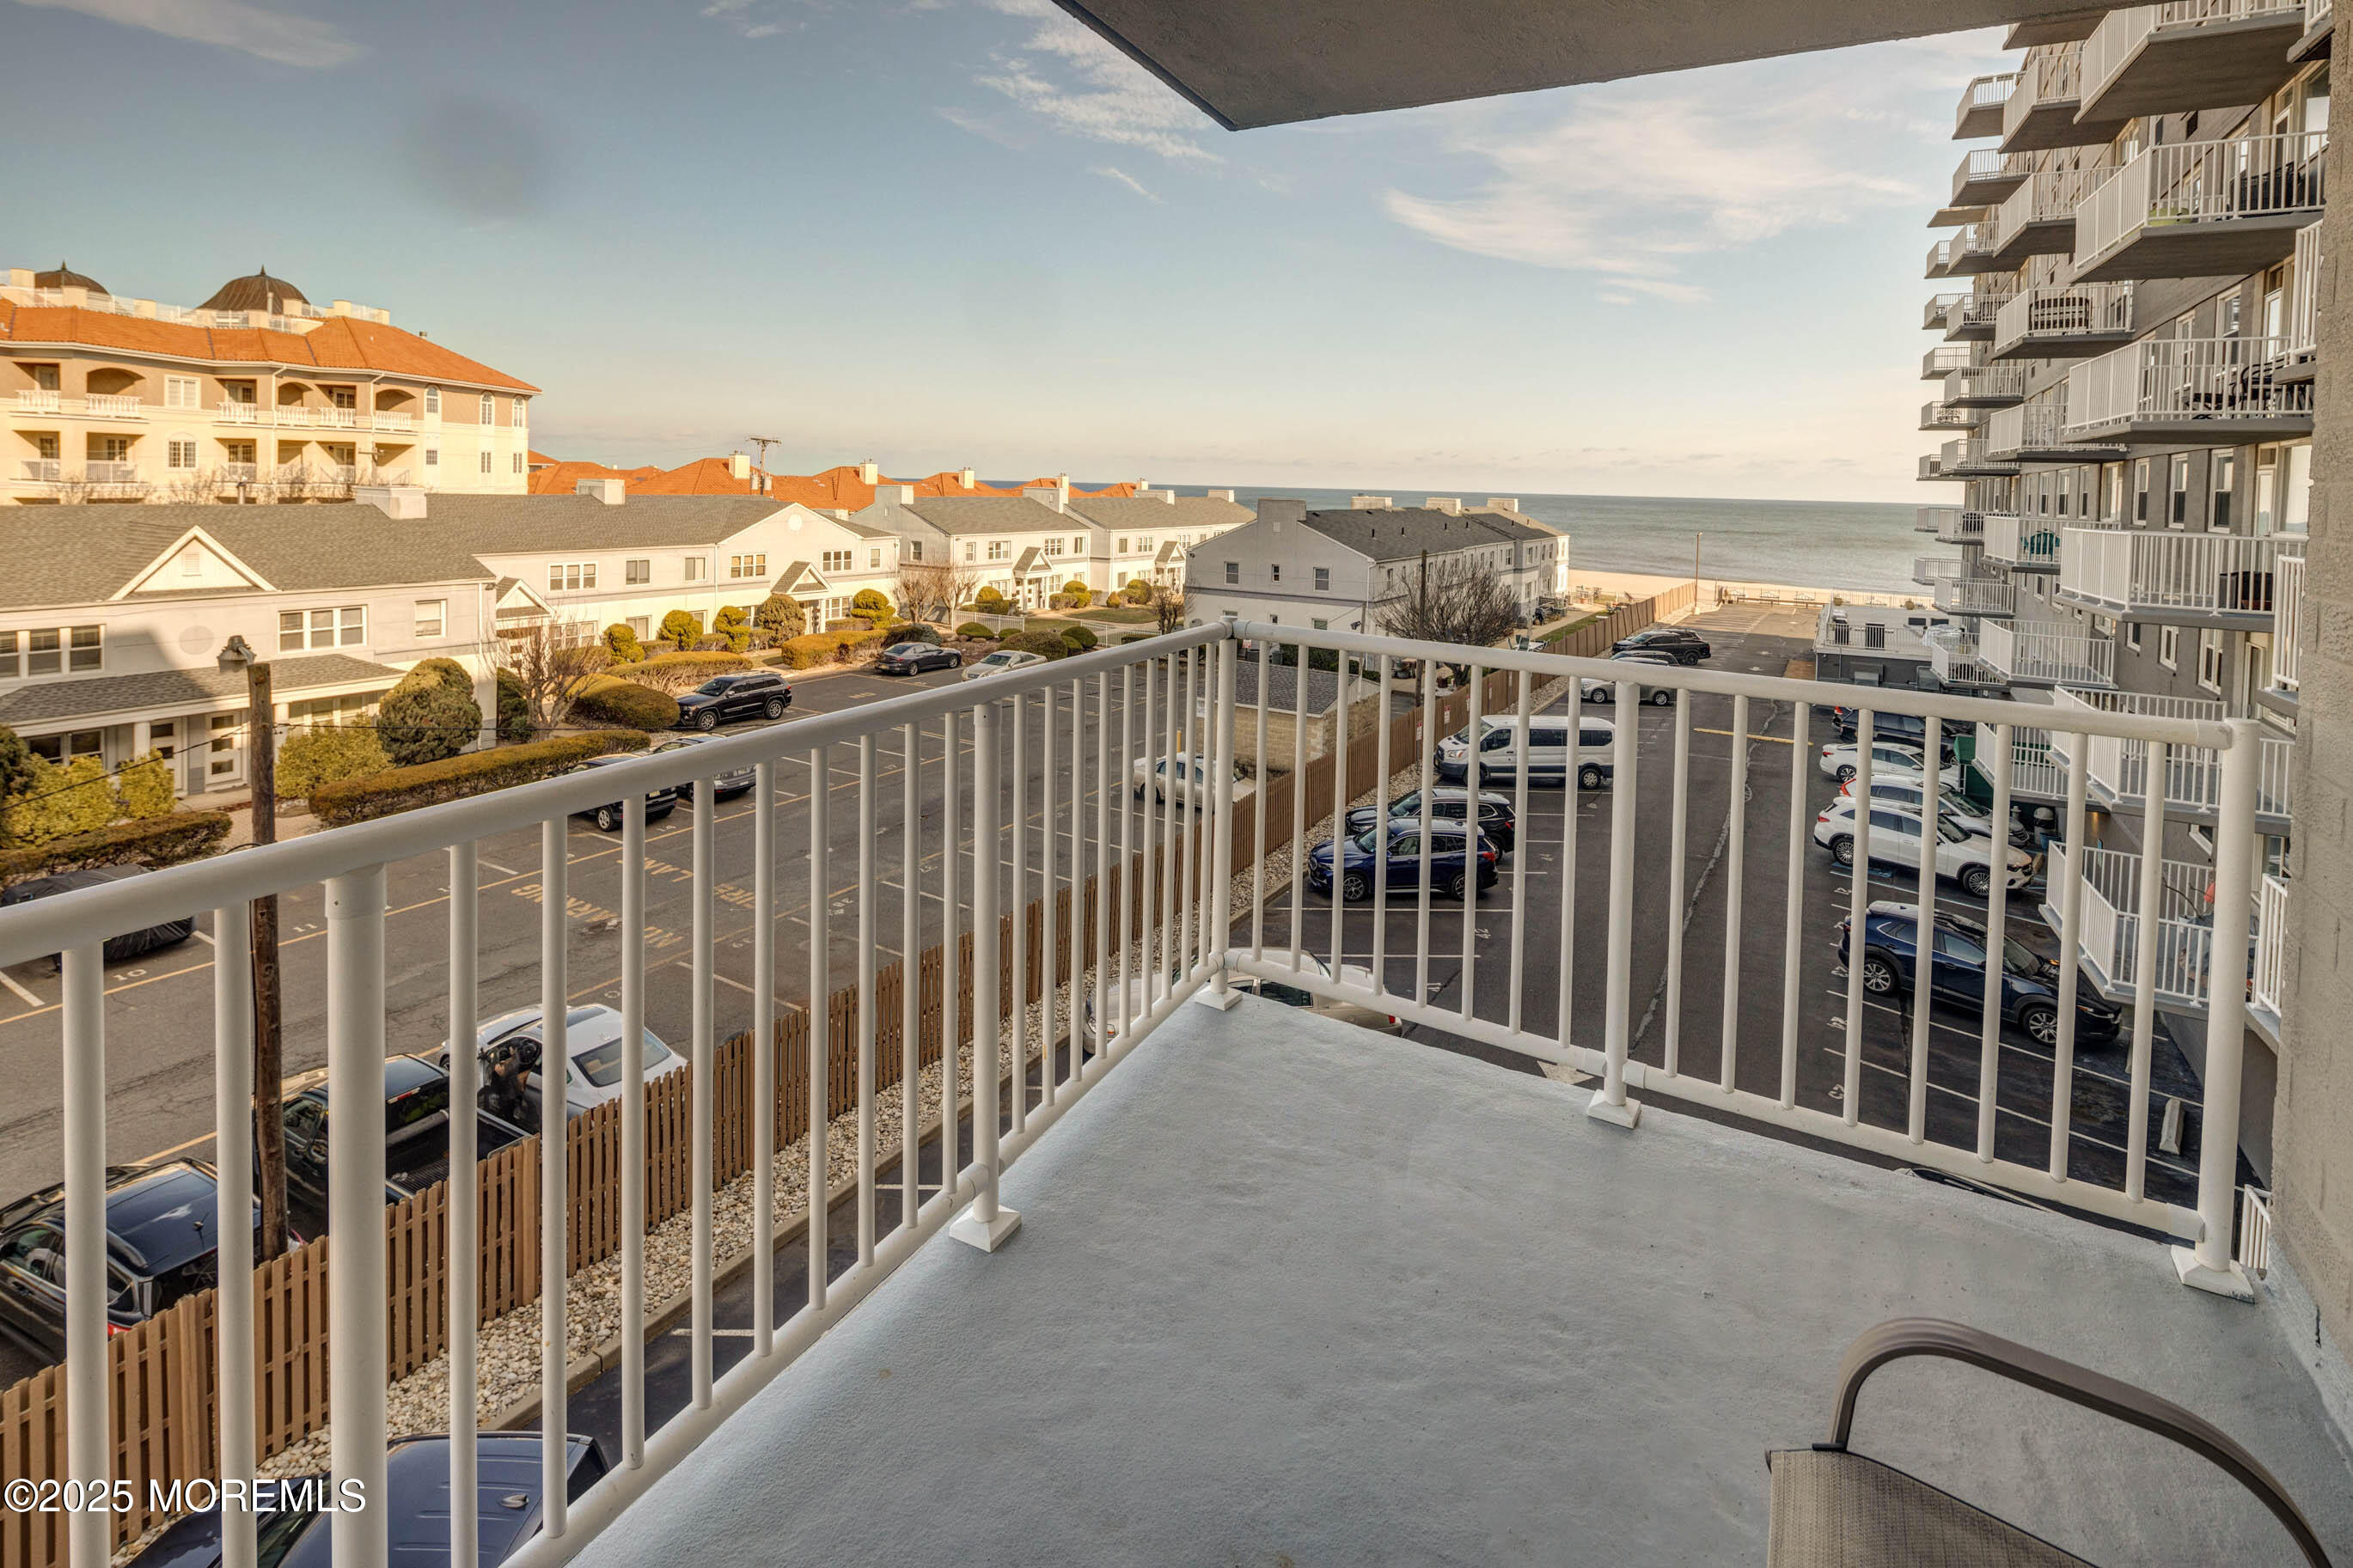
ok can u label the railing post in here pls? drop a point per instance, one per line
(356, 1329)
(1609, 1102)
(985, 1225)
(2209, 1265)
(233, 1146)
(1220, 992)
(89, 1449)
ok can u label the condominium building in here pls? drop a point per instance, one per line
(1028, 546)
(2126, 383)
(257, 395)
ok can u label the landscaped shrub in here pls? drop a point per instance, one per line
(16, 763)
(144, 788)
(733, 625)
(988, 601)
(1138, 591)
(165, 840)
(870, 606)
(682, 629)
(1079, 636)
(911, 632)
(623, 644)
(329, 755)
(674, 672)
(514, 709)
(1047, 643)
(975, 630)
(455, 778)
(431, 714)
(1134, 636)
(1077, 590)
(781, 617)
(624, 703)
(60, 801)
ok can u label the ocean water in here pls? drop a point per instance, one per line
(1815, 544)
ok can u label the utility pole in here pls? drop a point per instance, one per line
(269, 1066)
(764, 443)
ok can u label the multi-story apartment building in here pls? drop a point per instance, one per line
(1028, 546)
(2128, 385)
(1342, 570)
(255, 395)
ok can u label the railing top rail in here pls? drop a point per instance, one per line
(93, 914)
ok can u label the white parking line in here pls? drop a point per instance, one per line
(26, 997)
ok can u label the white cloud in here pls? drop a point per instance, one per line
(1076, 80)
(229, 24)
(738, 17)
(1123, 177)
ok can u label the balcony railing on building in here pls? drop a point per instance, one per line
(1970, 319)
(2036, 653)
(2175, 967)
(2268, 985)
(1932, 317)
(42, 470)
(1946, 358)
(2042, 112)
(2188, 579)
(1929, 569)
(1948, 416)
(2287, 625)
(2035, 772)
(2209, 390)
(2303, 298)
(1961, 525)
(1986, 174)
(1986, 386)
(1966, 595)
(2201, 209)
(2116, 769)
(2064, 322)
(2039, 217)
(1953, 657)
(2319, 23)
(1931, 519)
(109, 471)
(1932, 466)
(1969, 251)
(1970, 459)
(2148, 60)
(1980, 109)
(92, 406)
(2021, 542)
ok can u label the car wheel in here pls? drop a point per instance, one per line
(1589, 778)
(774, 708)
(608, 818)
(1662, 697)
(1842, 849)
(1879, 976)
(1356, 885)
(2041, 1021)
(707, 720)
(1454, 885)
(1845, 774)
(1975, 881)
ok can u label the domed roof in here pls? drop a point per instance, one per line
(259, 291)
(65, 277)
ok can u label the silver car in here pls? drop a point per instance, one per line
(509, 1049)
(725, 786)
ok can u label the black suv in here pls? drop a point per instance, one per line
(1686, 645)
(415, 1139)
(2029, 982)
(1446, 805)
(1910, 729)
(754, 694)
(159, 1247)
(659, 802)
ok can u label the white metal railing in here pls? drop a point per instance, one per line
(2005, 431)
(1975, 310)
(1983, 93)
(1932, 467)
(2181, 381)
(2304, 294)
(2120, 33)
(2032, 767)
(1946, 358)
(1944, 417)
(1972, 596)
(40, 400)
(2051, 73)
(2254, 1248)
(1953, 656)
(1932, 315)
(2062, 311)
(2118, 765)
(1931, 519)
(2319, 14)
(2151, 571)
(2015, 539)
(2034, 651)
(2270, 981)
(1070, 730)
(109, 471)
(1966, 526)
(113, 405)
(48, 471)
(1929, 569)
(2288, 638)
(1985, 382)
(2201, 181)
(1988, 163)
(2049, 196)
(2117, 907)
(238, 473)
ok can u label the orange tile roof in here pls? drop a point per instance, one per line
(560, 478)
(340, 343)
(840, 488)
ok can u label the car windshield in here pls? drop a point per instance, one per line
(713, 687)
(1951, 832)
(907, 650)
(1367, 840)
(1956, 801)
(600, 1064)
(2020, 959)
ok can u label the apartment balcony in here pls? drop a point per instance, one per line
(239, 473)
(1932, 467)
(1929, 569)
(240, 414)
(1932, 318)
(1931, 519)
(2116, 768)
(2186, 579)
(1970, 318)
(2319, 23)
(2035, 774)
(2268, 985)
(1946, 358)
(1969, 251)
(2039, 217)
(2304, 306)
(2210, 391)
(1980, 109)
(2179, 959)
(2036, 431)
(1954, 658)
(2201, 209)
(2021, 542)
(1969, 459)
(386, 419)
(110, 472)
(2149, 61)
(40, 470)
(1959, 595)
(41, 400)
(1986, 386)
(2044, 112)
(2287, 628)
(103, 405)
(2031, 653)
(2064, 29)
(2064, 322)
(1985, 176)
(1945, 417)
(1960, 525)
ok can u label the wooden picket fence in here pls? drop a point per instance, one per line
(162, 1374)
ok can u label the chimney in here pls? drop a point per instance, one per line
(1054, 496)
(1450, 505)
(1170, 496)
(739, 467)
(868, 473)
(965, 479)
(612, 492)
(903, 494)
(1226, 495)
(1369, 503)
(401, 502)
(1275, 512)
(1062, 483)
(1141, 485)
(1502, 503)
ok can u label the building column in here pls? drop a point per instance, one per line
(2312, 1156)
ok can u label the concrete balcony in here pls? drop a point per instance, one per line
(1968, 252)
(2201, 209)
(41, 400)
(2021, 543)
(2072, 28)
(2211, 391)
(2043, 110)
(1984, 176)
(2035, 432)
(2185, 579)
(1946, 358)
(1927, 570)
(2149, 61)
(1972, 596)
(1986, 386)
(1932, 317)
(1940, 417)
(1960, 525)
(2319, 24)
(1970, 319)
(2112, 916)
(1980, 109)
(2064, 322)
(2039, 217)
(1931, 519)
(1932, 467)
(2042, 654)
(1953, 657)
(1969, 459)
(2116, 768)
(107, 406)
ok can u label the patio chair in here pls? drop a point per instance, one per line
(1832, 1508)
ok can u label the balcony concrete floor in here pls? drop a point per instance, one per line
(1288, 1292)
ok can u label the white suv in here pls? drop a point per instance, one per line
(1963, 856)
(1554, 744)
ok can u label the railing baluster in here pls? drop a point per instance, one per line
(820, 1024)
(1189, 846)
(1105, 1005)
(1678, 847)
(233, 1216)
(1609, 1102)
(1858, 914)
(1421, 867)
(633, 1124)
(1341, 795)
(764, 1048)
(869, 894)
(1794, 904)
(1258, 808)
(89, 1448)
(985, 1225)
(1924, 939)
(702, 939)
(1300, 847)
(1520, 719)
(2147, 935)
(1118, 784)
(1049, 841)
(2071, 921)
(358, 1337)
(1171, 963)
(911, 971)
(2210, 1265)
(1220, 828)
(1572, 790)
(1472, 781)
(1997, 917)
(1020, 909)
(1735, 865)
(1149, 936)
(1382, 764)
(951, 968)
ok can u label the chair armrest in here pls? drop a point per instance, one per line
(1901, 1337)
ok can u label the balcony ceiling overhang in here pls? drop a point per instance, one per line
(2057, 123)
(2176, 431)
(1251, 63)
(2036, 237)
(2069, 29)
(2216, 65)
(2061, 344)
(1952, 216)
(2220, 247)
(1988, 189)
(2168, 615)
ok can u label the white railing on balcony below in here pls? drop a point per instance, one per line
(109, 471)
(1985, 382)
(238, 413)
(2046, 653)
(1945, 416)
(2016, 539)
(2270, 980)
(1946, 358)
(2032, 767)
(2287, 616)
(1976, 312)
(2304, 294)
(2049, 196)
(1973, 597)
(1931, 519)
(1970, 456)
(1983, 165)
(40, 400)
(386, 419)
(239, 473)
(2202, 182)
(2153, 573)
(1930, 569)
(1964, 526)
(2121, 32)
(1983, 93)
(113, 405)
(1953, 656)
(2118, 767)
(2059, 311)
(43, 470)
(2052, 73)
(1932, 466)
(2184, 380)
(1932, 315)
(2113, 916)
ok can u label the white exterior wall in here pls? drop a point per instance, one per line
(1257, 550)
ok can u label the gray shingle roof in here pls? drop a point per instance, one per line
(1186, 512)
(1397, 533)
(992, 514)
(530, 524)
(1282, 687)
(104, 694)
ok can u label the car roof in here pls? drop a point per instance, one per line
(163, 1217)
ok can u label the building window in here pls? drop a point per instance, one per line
(343, 397)
(2220, 467)
(1323, 579)
(834, 560)
(2178, 492)
(915, 549)
(515, 415)
(1053, 546)
(997, 550)
(12, 657)
(641, 626)
(486, 462)
(1143, 542)
(432, 400)
(1121, 546)
(518, 462)
(2169, 647)
(432, 615)
(2140, 490)
(1275, 573)
(874, 562)
(694, 568)
(56, 651)
(224, 728)
(1320, 625)
(332, 709)
(490, 409)
(61, 749)
(1233, 571)
(342, 627)
(747, 565)
(971, 551)
(2132, 637)
(180, 454)
(432, 457)
(571, 575)
(641, 571)
(2209, 660)
(180, 391)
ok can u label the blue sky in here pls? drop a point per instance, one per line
(966, 232)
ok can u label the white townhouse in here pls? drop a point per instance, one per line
(1028, 546)
(1341, 570)
(1147, 535)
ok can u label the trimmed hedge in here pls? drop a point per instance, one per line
(328, 754)
(1047, 643)
(150, 841)
(813, 649)
(976, 631)
(625, 704)
(455, 778)
(1079, 636)
(916, 632)
(692, 667)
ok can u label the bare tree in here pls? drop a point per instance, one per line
(932, 590)
(1168, 608)
(552, 661)
(1452, 602)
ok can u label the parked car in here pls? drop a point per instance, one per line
(2029, 982)
(1907, 729)
(1548, 750)
(1841, 759)
(128, 945)
(415, 1503)
(915, 659)
(159, 1246)
(416, 1136)
(726, 786)
(1451, 860)
(1446, 805)
(1278, 990)
(1961, 855)
(660, 802)
(1908, 789)
(722, 698)
(509, 1048)
(1180, 777)
(1000, 662)
(1686, 644)
(1595, 689)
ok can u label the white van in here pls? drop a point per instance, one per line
(1548, 751)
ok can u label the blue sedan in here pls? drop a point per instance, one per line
(2029, 982)
(1449, 860)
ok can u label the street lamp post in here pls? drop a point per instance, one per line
(269, 1120)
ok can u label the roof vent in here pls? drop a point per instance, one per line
(403, 502)
(1502, 503)
(612, 492)
(1449, 505)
